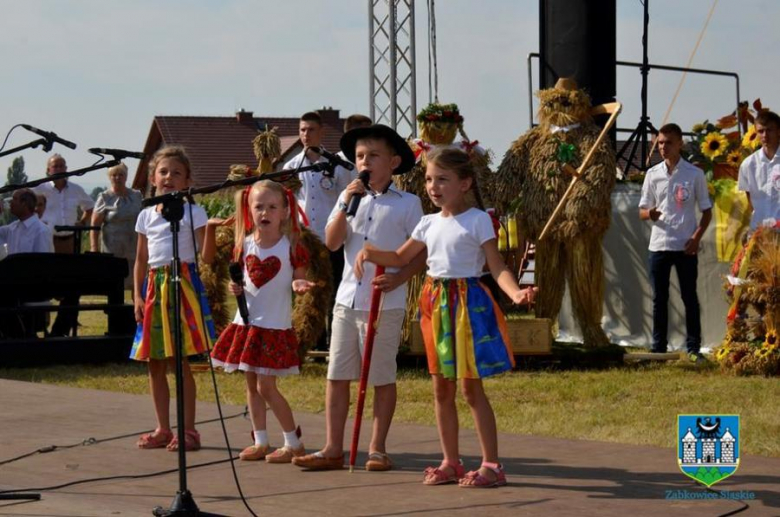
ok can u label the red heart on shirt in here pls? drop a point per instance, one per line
(262, 271)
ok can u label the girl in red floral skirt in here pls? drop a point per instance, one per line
(274, 266)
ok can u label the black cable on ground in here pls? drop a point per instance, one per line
(111, 478)
(94, 441)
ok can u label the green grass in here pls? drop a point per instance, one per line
(631, 404)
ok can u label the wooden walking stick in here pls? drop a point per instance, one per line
(614, 109)
(373, 322)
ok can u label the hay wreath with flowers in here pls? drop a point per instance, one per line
(751, 344)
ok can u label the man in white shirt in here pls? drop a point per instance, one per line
(28, 234)
(759, 174)
(670, 193)
(63, 199)
(385, 218)
(319, 192)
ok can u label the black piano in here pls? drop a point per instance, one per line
(29, 282)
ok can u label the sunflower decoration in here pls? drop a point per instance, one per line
(770, 340)
(751, 141)
(734, 158)
(715, 144)
(722, 353)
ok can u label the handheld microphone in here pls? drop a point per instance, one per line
(333, 158)
(354, 201)
(49, 135)
(117, 153)
(237, 275)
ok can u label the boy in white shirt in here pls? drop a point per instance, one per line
(759, 174)
(385, 218)
(670, 193)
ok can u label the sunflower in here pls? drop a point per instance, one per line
(771, 338)
(714, 145)
(751, 140)
(734, 158)
(722, 353)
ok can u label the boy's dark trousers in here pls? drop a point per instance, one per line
(661, 263)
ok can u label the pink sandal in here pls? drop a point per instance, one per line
(191, 441)
(439, 476)
(155, 440)
(474, 479)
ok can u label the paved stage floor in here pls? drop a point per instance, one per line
(547, 476)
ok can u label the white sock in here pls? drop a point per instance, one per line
(291, 440)
(261, 437)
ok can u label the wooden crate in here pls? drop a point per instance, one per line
(531, 336)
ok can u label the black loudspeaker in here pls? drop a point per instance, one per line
(577, 39)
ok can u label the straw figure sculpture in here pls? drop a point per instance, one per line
(439, 125)
(751, 345)
(310, 309)
(532, 175)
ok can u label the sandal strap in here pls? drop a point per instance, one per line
(495, 467)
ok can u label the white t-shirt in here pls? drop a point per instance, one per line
(318, 193)
(385, 221)
(268, 275)
(760, 177)
(455, 243)
(676, 196)
(158, 234)
(28, 236)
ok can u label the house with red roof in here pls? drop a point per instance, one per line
(215, 143)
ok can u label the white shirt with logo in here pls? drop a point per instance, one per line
(675, 195)
(319, 192)
(268, 274)
(384, 220)
(760, 177)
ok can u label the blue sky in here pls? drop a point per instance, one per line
(97, 71)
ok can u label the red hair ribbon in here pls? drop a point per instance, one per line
(295, 209)
(247, 214)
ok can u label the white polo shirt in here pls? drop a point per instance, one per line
(62, 205)
(676, 196)
(385, 220)
(318, 193)
(760, 177)
(28, 236)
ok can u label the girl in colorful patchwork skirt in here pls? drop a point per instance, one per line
(463, 328)
(265, 347)
(170, 171)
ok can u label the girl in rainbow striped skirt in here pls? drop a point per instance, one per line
(169, 171)
(463, 328)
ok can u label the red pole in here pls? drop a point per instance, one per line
(373, 323)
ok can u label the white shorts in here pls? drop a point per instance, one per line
(346, 345)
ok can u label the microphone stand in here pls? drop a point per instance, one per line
(326, 167)
(46, 147)
(59, 176)
(173, 211)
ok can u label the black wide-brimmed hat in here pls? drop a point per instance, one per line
(350, 138)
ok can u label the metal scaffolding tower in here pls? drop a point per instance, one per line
(392, 64)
